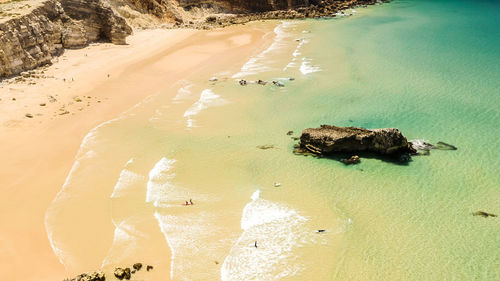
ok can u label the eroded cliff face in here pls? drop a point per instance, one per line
(34, 38)
(250, 6)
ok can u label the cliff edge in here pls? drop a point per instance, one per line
(33, 37)
(32, 32)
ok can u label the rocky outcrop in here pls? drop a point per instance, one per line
(98, 19)
(122, 273)
(94, 276)
(34, 38)
(327, 140)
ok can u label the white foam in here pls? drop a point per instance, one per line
(159, 181)
(191, 238)
(183, 92)
(421, 144)
(124, 242)
(207, 99)
(163, 224)
(255, 195)
(278, 230)
(64, 258)
(84, 151)
(299, 46)
(125, 180)
(260, 63)
(296, 54)
(306, 67)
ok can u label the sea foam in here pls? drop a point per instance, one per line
(277, 230)
(159, 181)
(306, 67)
(207, 99)
(261, 62)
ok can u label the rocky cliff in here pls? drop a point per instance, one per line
(34, 38)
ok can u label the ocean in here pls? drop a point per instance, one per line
(429, 68)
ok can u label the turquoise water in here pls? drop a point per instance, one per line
(429, 68)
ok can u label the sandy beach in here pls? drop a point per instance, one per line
(43, 121)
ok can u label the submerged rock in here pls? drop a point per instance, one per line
(266, 146)
(424, 148)
(279, 84)
(445, 146)
(327, 140)
(351, 160)
(483, 214)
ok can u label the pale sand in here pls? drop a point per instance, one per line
(37, 153)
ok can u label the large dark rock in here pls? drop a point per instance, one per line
(327, 140)
(122, 273)
(137, 266)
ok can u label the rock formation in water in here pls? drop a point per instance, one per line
(327, 140)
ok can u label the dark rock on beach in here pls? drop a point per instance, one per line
(351, 160)
(94, 276)
(137, 266)
(327, 140)
(149, 267)
(122, 273)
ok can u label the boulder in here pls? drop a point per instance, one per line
(137, 266)
(122, 273)
(327, 140)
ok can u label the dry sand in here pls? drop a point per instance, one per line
(88, 86)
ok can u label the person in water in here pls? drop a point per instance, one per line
(191, 202)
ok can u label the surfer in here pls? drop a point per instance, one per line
(255, 244)
(191, 202)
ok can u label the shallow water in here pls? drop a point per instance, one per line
(429, 68)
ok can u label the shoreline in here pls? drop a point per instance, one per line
(60, 25)
(41, 149)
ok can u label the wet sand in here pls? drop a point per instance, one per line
(87, 87)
